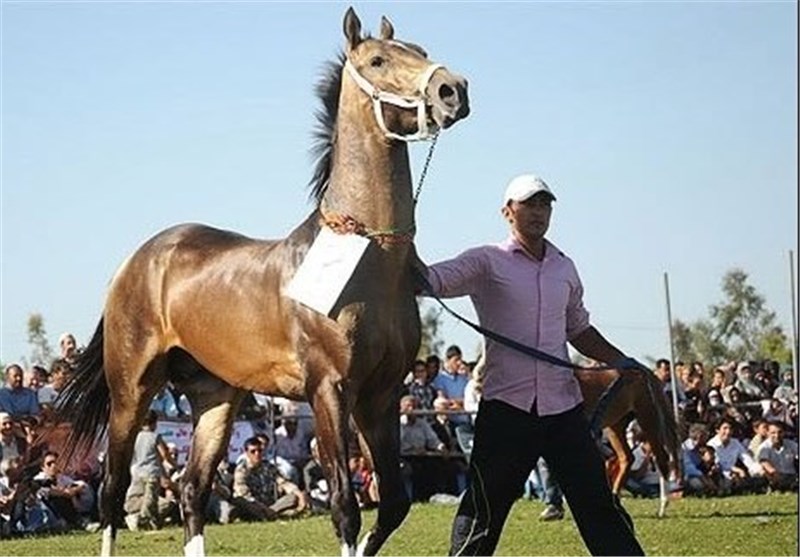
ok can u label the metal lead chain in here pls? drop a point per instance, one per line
(425, 167)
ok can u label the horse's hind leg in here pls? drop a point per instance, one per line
(380, 428)
(129, 403)
(330, 412)
(214, 406)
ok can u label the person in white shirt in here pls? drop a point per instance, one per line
(779, 458)
(738, 467)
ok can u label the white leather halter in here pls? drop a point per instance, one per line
(418, 102)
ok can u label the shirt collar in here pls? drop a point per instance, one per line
(511, 244)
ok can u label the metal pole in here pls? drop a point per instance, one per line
(794, 317)
(673, 375)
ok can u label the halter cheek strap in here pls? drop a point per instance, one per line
(418, 102)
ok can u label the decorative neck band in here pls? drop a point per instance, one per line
(345, 224)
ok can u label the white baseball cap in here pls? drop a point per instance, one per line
(524, 187)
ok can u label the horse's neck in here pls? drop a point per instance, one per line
(370, 178)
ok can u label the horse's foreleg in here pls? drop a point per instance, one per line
(214, 407)
(381, 430)
(332, 437)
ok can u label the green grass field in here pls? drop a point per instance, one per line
(750, 525)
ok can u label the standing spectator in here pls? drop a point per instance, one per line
(420, 387)
(779, 457)
(450, 383)
(528, 289)
(663, 371)
(69, 348)
(550, 492)
(19, 401)
(144, 504)
(259, 492)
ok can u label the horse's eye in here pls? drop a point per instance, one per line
(376, 62)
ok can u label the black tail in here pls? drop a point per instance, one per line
(84, 402)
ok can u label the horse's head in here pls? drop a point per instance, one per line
(412, 97)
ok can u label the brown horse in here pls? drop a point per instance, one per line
(640, 397)
(206, 308)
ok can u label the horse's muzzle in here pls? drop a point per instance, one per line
(447, 94)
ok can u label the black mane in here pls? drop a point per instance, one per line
(327, 90)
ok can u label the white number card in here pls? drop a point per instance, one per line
(323, 274)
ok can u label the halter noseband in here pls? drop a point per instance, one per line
(402, 101)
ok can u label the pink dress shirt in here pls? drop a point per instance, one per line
(537, 303)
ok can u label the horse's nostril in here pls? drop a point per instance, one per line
(446, 92)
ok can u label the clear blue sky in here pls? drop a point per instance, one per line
(667, 130)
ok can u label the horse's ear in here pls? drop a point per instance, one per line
(352, 28)
(387, 29)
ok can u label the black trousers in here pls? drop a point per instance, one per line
(508, 442)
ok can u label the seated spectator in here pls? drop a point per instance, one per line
(364, 486)
(15, 399)
(695, 397)
(775, 410)
(70, 499)
(220, 501)
(421, 472)
(12, 444)
(747, 386)
(145, 503)
(737, 466)
(713, 396)
(779, 458)
(315, 482)
(713, 480)
(786, 391)
(759, 435)
(454, 467)
(473, 391)
(644, 478)
(695, 478)
(36, 378)
(259, 492)
(421, 388)
(169, 403)
(60, 372)
(292, 450)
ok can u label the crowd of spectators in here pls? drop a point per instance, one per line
(738, 424)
